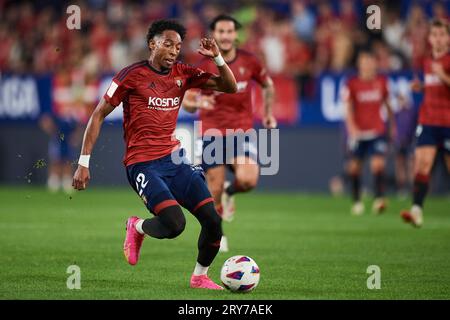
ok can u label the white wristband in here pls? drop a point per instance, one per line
(84, 160)
(219, 61)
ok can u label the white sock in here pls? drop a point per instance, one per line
(67, 184)
(139, 226)
(53, 182)
(200, 270)
(415, 209)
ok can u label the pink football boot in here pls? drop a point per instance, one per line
(133, 241)
(204, 282)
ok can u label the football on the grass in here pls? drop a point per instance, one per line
(240, 274)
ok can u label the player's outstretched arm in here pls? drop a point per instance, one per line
(82, 176)
(225, 81)
(352, 129)
(269, 121)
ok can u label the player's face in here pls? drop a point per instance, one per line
(165, 48)
(367, 65)
(225, 35)
(439, 38)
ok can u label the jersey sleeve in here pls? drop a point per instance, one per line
(347, 93)
(196, 77)
(205, 64)
(259, 73)
(119, 88)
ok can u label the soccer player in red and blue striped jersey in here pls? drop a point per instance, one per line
(433, 130)
(151, 92)
(367, 93)
(227, 119)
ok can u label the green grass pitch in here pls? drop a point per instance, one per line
(307, 247)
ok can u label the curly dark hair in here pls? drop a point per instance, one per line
(159, 26)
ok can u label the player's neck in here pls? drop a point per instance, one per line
(229, 55)
(438, 52)
(155, 66)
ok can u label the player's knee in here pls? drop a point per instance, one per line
(216, 189)
(174, 220)
(378, 168)
(247, 183)
(177, 228)
(423, 167)
(353, 168)
(247, 180)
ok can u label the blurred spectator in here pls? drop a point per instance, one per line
(341, 46)
(118, 52)
(273, 46)
(298, 60)
(440, 11)
(387, 60)
(298, 38)
(193, 36)
(304, 20)
(394, 31)
(416, 33)
(348, 15)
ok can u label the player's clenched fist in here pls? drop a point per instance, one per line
(208, 48)
(81, 178)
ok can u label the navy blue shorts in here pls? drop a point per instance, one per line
(162, 183)
(433, 136)
(367, 148)
(221, 150)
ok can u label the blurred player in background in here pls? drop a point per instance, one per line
(151, 92)
(433, 130)
(61, 151)
(406, 119)
(365, 95)
(222, 111)
(74, 93)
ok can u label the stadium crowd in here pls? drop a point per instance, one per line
(298, 38)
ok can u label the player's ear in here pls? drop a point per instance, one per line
(152, 44)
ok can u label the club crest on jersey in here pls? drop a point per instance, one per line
(179, 83)
(241, 70)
